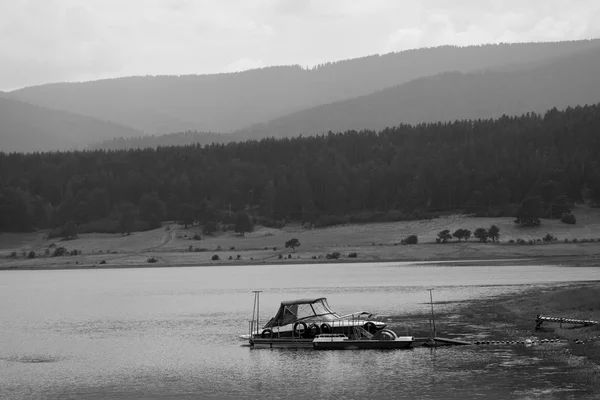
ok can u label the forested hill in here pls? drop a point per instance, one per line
(560, 82)
(227, 102)
(484, 164)
(153, 141)
(25, 127)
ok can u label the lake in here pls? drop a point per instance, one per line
(174, 333)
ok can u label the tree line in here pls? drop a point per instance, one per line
(542, 163)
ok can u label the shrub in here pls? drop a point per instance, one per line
(549, 238)
(238, 257)
(102, 262)
(219, 248)
(566, 240)
(197, 236)
(100, 226)
(511, 241)
(289, 256)
(274, 248)
(231, 257)
(75, 252)
(151, 260)
(333, 256)
(233, 248)
(330, 220)
(280, 256)
(13, 254)
(569, 219)
(191, 248)
(31, 254)
(59, 252)
(47, 252)
(575, 240)
(411, 239)
(352, 255)
(521, 241)
(215, 257)
(270, 223)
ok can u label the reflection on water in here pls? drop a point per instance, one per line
(156, 333)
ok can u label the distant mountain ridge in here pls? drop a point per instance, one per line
(169, 139)
(229, 102)
(25, 127)
(565, 81)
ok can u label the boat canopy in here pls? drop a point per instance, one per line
(302, 310)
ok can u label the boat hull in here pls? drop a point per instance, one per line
(367, 344)
(281, 343)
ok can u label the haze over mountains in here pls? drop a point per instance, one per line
(25, 127)
(562, 82)
(435, 84)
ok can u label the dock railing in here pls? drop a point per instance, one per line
(540, 319)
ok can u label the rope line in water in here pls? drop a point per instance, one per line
(532, 342)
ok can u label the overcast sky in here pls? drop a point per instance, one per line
(44, 41)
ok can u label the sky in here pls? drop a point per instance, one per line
(45, 41)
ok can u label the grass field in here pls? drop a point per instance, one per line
(170, 244)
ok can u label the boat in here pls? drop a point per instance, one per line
(298, 323)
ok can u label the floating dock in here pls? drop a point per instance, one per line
(439, 341)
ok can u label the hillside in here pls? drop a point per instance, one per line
(154, 141)
(561, 82)
(227, 102)
(25, 127)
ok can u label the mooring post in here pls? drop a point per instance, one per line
(433, 334)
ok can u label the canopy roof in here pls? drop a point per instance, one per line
(302, 301)
(302, 310)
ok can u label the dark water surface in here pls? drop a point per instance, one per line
(173, 333)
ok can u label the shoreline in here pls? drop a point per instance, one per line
(574, 261)
(175, 245)
(512, 317)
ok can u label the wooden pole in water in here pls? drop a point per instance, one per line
(432, 316)
(256, 307)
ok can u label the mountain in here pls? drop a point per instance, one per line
(562, 82)
(25, 127)
(228, 102)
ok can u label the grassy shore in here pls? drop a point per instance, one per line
(173, 245)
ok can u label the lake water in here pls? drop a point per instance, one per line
(173, 333)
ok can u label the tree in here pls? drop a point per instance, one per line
(444, 235)
(126, 217)
(186, 215)
(481, 234)
(153, 222)
(293, 243)
(151, 205)
(494, 233)
(243, 223)
(467, 234)
(529, 212)
(209, 227)
(69, 231)
(459, 234)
